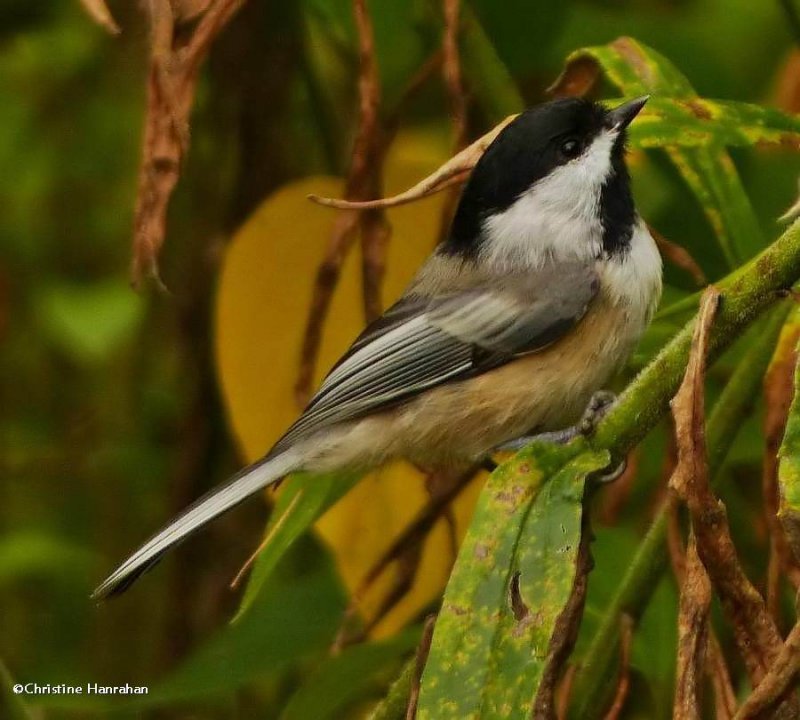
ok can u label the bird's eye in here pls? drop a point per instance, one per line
(570, 148)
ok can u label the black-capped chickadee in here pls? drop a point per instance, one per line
(544, 285)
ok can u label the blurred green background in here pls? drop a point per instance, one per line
(110, 413)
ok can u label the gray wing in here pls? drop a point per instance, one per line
(422, 342)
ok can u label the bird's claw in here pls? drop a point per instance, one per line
(598, 406)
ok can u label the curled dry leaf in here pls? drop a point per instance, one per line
(454, 171)
(755, 633)
(715, 665)
(695, 602)
(99, 12)
(688, 409)
(175, 62)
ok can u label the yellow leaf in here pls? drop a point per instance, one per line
(263, 297)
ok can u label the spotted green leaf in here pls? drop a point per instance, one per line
(489, 651)
(708, 169)
(667, 122)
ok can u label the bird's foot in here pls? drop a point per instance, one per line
(598, 406)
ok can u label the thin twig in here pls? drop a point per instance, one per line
(364, 181)
(565, 631)
(623, 679)
(451, 68)
(456, 96)
(617, 493)
(778, 681)
(422, 657)
(406, 552)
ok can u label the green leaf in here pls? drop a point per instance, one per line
(484, 662)
(353, 675)
(303, 500)
(33, 553)
(287, 623)
(88, 322)
(708, 169)
(295, 618)
(701, 122)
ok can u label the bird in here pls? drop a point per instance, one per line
(536, 297)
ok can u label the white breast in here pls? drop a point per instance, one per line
(633, 278)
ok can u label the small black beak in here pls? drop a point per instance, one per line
(620, 117)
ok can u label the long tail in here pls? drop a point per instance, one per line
(219, 500)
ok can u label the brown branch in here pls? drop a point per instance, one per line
(695, 603)
(364, 181)
(172, 80)
(755, 633)
(564, 692)
(422, 657)
(419, 667)
(778, 393)
(451, 70)
(375, 235)
(624, 679)
(457, 99)
(341, 240)
(565, 631)
(778, 682)
(367, 166)
(406, 551)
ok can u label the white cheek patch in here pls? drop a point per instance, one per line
(559, 217)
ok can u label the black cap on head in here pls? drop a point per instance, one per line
(532, 146)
